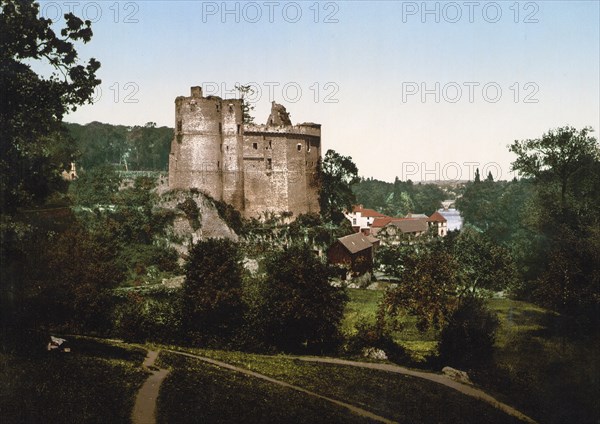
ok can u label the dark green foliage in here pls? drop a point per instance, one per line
(301, 310)
(31, 106)
(399, 198)
(467, 340)
(97, 187)
(376, 335)
(212, 292)
(338, 175)
(190, 208)
(138, 148)
(69, 283)
(149, 317)
(231, 216)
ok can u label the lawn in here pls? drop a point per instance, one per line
(401, 398)
(95, 383)
(542, 365)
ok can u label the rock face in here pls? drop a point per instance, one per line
(457, 375)
(196, 218)
(254, 168)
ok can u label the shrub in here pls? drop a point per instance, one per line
(212, 292)
(468, 338)
(301, 310)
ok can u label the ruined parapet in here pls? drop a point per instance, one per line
(279, 116)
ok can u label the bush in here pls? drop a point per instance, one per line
(301, 311)
(372, 335)
(212, 292)
(468, 338)
(140, 318)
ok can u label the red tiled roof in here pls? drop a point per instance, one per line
(381, 222)
(367, 212)
(437, 217)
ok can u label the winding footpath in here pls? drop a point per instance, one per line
(436, 378)
(144, 411)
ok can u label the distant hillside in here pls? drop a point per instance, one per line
(400, 197)
(138, 148)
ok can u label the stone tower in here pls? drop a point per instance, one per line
(206, 152)
(255, 168)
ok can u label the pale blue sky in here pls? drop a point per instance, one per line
(377, 57)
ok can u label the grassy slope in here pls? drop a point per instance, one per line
(95, 383)
(401, 398)
(539, 367)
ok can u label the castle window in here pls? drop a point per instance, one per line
(270, 145)
(218, 107)
(255, 146)
(221, 147)
(220, 128)
(269, 163)
(239, 128)
(218, 164)
(230, 107)
(227, 148)
(299, 147)
(308, 146)
(179, 126)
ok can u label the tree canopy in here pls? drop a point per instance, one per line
(32, 105)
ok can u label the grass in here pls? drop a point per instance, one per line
(542, 365)
(362, 306)
(198, 392)
(95, 383)
(401, 398)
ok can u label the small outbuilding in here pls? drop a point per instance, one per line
(354, 252)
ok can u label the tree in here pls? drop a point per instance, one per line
(31, 106)
(477, 176)
(301, 310)
(338, 175)
(212, 292)
(556, 157)
(564, 165)
(247, 107)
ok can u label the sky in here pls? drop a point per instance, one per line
(415, 90)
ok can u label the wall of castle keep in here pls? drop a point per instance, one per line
(255, 168)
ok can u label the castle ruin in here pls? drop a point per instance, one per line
(255, 168)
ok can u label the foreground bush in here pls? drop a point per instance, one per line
(468, 338)
(301, 311)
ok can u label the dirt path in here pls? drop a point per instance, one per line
(354, 409)
(436, 378)
(144, 410)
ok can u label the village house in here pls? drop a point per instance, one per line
(355, 252)
(438, 221)
(362, 218)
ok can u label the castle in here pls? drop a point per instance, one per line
(255, 168)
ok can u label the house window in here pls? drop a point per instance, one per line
(269, 163)
(299, 147)
(353, 221)
(255, 146)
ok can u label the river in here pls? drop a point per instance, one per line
(455, 221)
